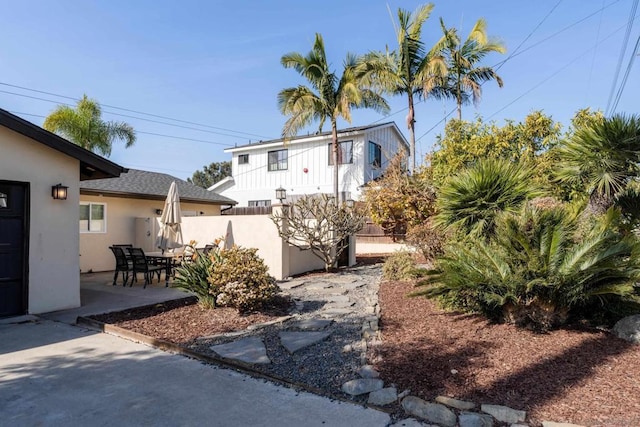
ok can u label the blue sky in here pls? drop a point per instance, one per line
(217, 63)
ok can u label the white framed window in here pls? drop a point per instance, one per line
(243, 159)
(278, 160)
(256, 203)
(345, 152)
(375, 154)
(93, 217)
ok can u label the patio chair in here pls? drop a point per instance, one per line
(207, 249)
(123, 265)
(141, 265)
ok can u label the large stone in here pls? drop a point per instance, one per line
(290, 284)
(432, 412)
(628, 328)
(334, 312)
(383, 396)
(368, 371)
(455, 403)
(362, 386)
(407, 422)
(473, 419)
(249, 350)
(344, 278)
(312, 324)
(504, 414)
(294, 341)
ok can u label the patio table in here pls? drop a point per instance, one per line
(165, 258)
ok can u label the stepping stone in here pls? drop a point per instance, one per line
(333, 305)
(351, 286)
(333, 312)
(504, 413)
(312, 324)
(362, 386)
(337, 298)
(249, 350)
(342, 279)
(291, 284)
(294, 341)
(325, 291)
(383, 396)
(407, 422)
(318, 286)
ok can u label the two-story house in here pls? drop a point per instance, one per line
(304, 164)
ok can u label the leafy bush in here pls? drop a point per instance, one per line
(426, 238)
(193, 276)
(399, 266)
(535, 271)
(239, 278)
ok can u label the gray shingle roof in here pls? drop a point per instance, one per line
(151, 185)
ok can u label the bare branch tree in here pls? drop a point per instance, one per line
(318, 224)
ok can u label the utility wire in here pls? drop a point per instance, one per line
(623, 51)
(593, 58)
(626, 76)
(133, 111)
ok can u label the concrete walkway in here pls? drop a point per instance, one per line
(55, 374)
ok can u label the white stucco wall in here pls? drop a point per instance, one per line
(121, 214)
(54, 280)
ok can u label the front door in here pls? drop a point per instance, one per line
(13, 248)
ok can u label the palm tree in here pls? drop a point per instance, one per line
(465, 78)
(602, 156)
(329, 97)
(85, 127)
(410, 69)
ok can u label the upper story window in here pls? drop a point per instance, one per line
(259, 203)
(243, 159)
(93, 217)
(375, 154)
(345, 152)
(278, 160)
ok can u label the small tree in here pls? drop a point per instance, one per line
(211, 174)
(318, 224)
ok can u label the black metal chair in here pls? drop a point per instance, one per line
(123, 265)
(207, 249)
(141, 265)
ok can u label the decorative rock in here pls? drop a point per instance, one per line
(249, 350)
(342, 279)
(367, 371)
(383, 396)
(432, 412)
(407, 422)
(404, 394)
(455, 403)
(312, 324)
(473, 419)
(294, 341)
(552, 424)
(344, 304)
(628, 328)
(332, 312)
(337, 298)
(362, 386)
(504, 414)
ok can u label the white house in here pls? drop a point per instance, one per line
(304, 164)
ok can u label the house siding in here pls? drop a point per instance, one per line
(53, 279)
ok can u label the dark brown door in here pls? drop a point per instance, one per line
(13, 248)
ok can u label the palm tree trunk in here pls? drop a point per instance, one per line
(412, 133)
(336, 166)
(459, 97)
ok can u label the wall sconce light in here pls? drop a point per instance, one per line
(59, 192)
(350, 203)
(158, 212)
(3, 200)
(281, 194)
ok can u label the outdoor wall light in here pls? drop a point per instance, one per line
(158, 212)
(350, 203)
(59, 192)
(3, 200)
(281, 194)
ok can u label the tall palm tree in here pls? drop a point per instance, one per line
(602, 156)
(465, 78)
(410, 69)
(329, 97)
(84, 126)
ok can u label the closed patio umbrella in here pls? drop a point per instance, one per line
(170, 235)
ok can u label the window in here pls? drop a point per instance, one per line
(345, 152)
(93, 218)
(256, 203)
(375, 154)
(278, 160)
(243, 159)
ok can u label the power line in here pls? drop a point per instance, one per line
(133, 111)
(623, 51)
(595, 51)
(626, 76)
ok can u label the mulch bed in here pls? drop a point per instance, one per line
(583, 376)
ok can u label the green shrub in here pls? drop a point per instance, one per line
(399, 266)
(193, 276)
(240, 279)
(536, 271)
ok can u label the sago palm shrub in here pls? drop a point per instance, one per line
(536, 271)
(470, 201)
